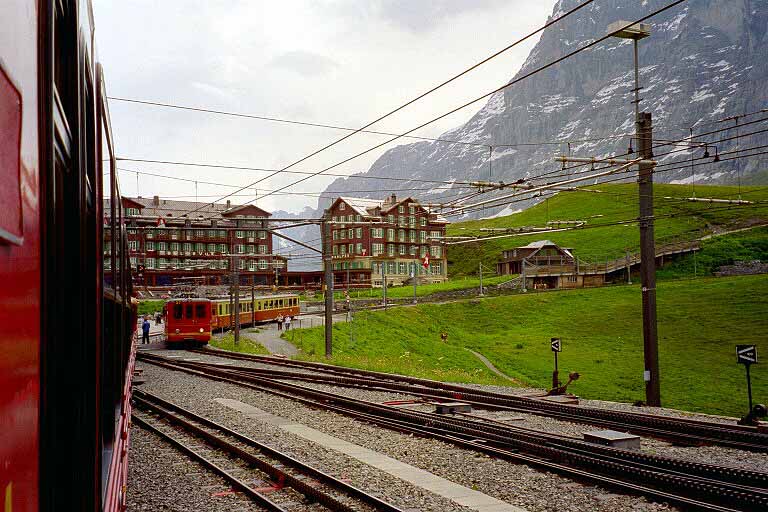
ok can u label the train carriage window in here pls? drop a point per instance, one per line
(189, 311)
(200, 311)
(178, 311)
(258, 305)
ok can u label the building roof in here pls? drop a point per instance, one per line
(170, 209)
(361, 205)
(538, 244)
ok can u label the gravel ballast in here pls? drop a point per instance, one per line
(516, 484)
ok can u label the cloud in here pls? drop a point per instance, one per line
(304, 63)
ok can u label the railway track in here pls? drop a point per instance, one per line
(677, 430)
(208, 442)
(687, 484)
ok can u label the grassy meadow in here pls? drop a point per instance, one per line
(700, 322)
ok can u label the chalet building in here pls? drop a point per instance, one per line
(372, 238)
(172, 240)
(544, 264)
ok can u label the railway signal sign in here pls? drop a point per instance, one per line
(555, 344)
(746, 354)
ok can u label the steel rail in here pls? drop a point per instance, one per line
(303, 487)
(253, 494)
(164, 407)
(735, 436)
(718, 493)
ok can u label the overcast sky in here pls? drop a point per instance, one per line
(333, 62)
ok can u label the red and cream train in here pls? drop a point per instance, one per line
(67, 317)
(195, 319)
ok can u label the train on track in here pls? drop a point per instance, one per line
(193, 320)
(67, 321)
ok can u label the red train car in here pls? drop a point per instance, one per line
(66, 321)
(188, 320)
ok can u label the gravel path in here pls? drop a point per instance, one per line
(516, 484)
(269, 337)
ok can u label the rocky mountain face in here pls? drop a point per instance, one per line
(705, 60)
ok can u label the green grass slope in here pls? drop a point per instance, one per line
(617, 202)
(700, 322)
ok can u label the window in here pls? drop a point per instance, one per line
(402, 269)
(251, 265)
(335, 234)
(434, 235)
(262, 249)
(343, 249)
(188, 247)
(133, 245)
(199, 233)
(251, 234)
(351, 248)
(402, 249)
(401, 235)
(263, 264)
(422, 221)
(222, 233)
(178, 311)
(390, 249)
(131, 211)
(436, 251)
(412, 236)
(211, 248)
(224, 263)
(342, 234)
(359, 249)
(211, 233)
(422, 237)
(150, 246)
(390, 235)
(174, 235)
(241, 264)
(133, 261)
(150, 233)
(411, 221)
(239, 234)
(401, 209)
(572, 279)
(391, 219)
(200, 311)
(412, 250)
(423, 251)
(411, 209)
(342, 206)
(162, 263)
(391, 267)
(240, 249)
(223, 248)
(262, 235)
(150, 263)
(335, 250)
(251, 249)
(351, 233)
(378, 233)
(359, 218)
(378, 249)
(359, 233)
(174, 246)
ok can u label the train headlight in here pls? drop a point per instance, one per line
(177, 331)
(201, 329)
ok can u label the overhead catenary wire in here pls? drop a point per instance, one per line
(422, 95)
(509, 84)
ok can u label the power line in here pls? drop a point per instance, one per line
(498, 89)
(430, 91)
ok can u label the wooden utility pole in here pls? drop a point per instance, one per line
(328, 262)
(644, 130)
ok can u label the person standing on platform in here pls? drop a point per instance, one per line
(145, 330)
(287, 322)
(279, 322)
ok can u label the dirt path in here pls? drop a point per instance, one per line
(495, 370)
(269, 337)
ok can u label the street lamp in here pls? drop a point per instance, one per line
(635, 33)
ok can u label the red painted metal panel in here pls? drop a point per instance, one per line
(19, 264)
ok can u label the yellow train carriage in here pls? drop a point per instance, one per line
(260, 309)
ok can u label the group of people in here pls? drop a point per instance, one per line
(283, 320)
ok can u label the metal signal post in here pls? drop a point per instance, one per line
(326, 230)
